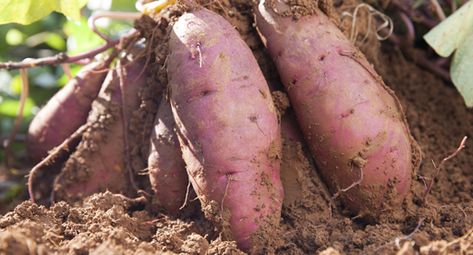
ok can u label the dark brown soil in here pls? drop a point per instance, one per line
(440, 223)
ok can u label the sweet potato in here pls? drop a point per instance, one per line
(66, 111)
(167, 170)
(227, 126)
(99, 162)
(353, 123)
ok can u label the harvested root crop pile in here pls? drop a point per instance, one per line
(218, 138)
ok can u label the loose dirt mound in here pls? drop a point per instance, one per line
(311, 220)
(104, 224)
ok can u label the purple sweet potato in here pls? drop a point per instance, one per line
(353, 123)
(99, 162)
(227, 126)
(167, 170)
(65, 112)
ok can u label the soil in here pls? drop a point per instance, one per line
(440, 222)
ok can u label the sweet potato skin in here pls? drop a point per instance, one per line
(98, 164)
(353, 123)
(227, 125)
(167, 170)
(65, 112)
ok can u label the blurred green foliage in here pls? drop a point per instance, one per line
(46, 37)
(27, 11)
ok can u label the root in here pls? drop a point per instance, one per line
(450, 244)
(126, 44)
(423, 179)
(132, 202)
(67, 71)
(372, 13)
(187, 195)
(19, 116)
(148, 50)
(144, 172)
(351, 186)
(414, 14)
(406, 44)
(229, 179)
(355, 56)
(411, 33)
(53, 155)
(397, 240)
(438, 9)
(435, 69)
(200, 55)
(453, 6)
(463, 211)
(255, 120)
(437, 168)
(222, 211)
(111, 15)
(144, 194)
(421, 60)
(220, 6)
(331, 202)
(181, 137)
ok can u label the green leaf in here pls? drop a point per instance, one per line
(80, 37)
(9, 108)
(461, 70)
(5, 81)
(9, 191)
(15, 85)
(448, 35)
(53, 40)
(64, 79)
(14, 37)
(123, 5)
(28, 11)
(456, 34)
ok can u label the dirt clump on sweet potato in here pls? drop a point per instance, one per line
(102, 160)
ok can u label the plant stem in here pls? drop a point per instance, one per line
(63, 57)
